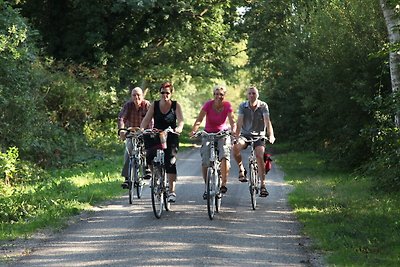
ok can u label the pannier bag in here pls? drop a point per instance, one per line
(268, 162)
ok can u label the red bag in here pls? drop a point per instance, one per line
(268, 162)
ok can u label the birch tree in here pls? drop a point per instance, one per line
(391, 13)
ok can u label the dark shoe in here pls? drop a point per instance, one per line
(205, 195)
(147, 174)
(223, 189)
(263, 192)
(125, 185)
(242, 176)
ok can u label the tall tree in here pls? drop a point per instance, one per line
(392, 19)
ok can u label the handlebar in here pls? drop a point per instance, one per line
(155, 131)
(254, 139)
(217, 134)
(130, 131)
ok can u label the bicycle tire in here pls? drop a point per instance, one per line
(253, 185)
(218, 198)
(211, 192)
(138, 180)
(131, 184)
(167, 205)
(157, 193)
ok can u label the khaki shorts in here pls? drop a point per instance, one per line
(224, 150)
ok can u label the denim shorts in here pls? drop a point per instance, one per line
(224, 149)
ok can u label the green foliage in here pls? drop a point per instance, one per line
(8, 162)
(350, 223)
(313, 62)
(47, 201)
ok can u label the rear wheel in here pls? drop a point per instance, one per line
(211, 192)
(253, 185)
(157, 194)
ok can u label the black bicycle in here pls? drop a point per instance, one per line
(137, 161)
(254, 181)
(159, 182)
(213, 178)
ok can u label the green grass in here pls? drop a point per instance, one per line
(350, 222)
(47, 199)
(48, 202)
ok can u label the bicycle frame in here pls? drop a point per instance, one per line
(136, 163)
(254, 181)
(213, 178)
(159, 183)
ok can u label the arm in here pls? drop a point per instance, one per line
(198, 121)
(270, 129)
(147, 119)
(231, 118)
(121, 121)
(239, 125)
(179, 118)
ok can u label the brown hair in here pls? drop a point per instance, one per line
(167, 85)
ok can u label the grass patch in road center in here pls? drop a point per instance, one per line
(347, 219)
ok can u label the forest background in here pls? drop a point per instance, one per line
(322, 66)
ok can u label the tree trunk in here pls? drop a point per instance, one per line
(393, 25)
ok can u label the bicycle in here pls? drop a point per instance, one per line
(137, 161)
(159, 182)
(254, 181)
(213, 178)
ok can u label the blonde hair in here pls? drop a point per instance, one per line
(220, 88)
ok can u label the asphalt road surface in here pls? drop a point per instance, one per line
(119, 234)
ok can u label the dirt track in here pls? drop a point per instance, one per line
(119, 234)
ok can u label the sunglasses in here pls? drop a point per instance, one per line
(219, 94)
(165, 93)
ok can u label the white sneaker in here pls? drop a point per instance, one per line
(172, 197)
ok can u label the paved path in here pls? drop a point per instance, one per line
(119, 234)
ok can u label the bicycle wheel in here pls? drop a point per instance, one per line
(131, 180)
(139, 179)
(253, 185)
(211, 192)
(167, 205)
(218, 198)
(157, 194)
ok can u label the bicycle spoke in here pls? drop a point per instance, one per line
(157, 195)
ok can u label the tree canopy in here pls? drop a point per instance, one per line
(321, 66)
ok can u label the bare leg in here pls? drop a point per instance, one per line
(238, 156)
(260, 163)
(224, 171)
(171, 179)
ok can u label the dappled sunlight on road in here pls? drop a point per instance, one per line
(120, 234)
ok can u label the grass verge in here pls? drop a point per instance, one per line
(67, 192)
(350, 222)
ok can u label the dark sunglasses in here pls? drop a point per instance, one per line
(165, 93)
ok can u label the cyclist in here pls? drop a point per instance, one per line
(253, 121)
(166, 113)
(131, 115)
(216, 111)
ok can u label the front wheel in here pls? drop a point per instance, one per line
(131, 180)
(253, 185)
(167, 205)
(157, 194)
(211, 192)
